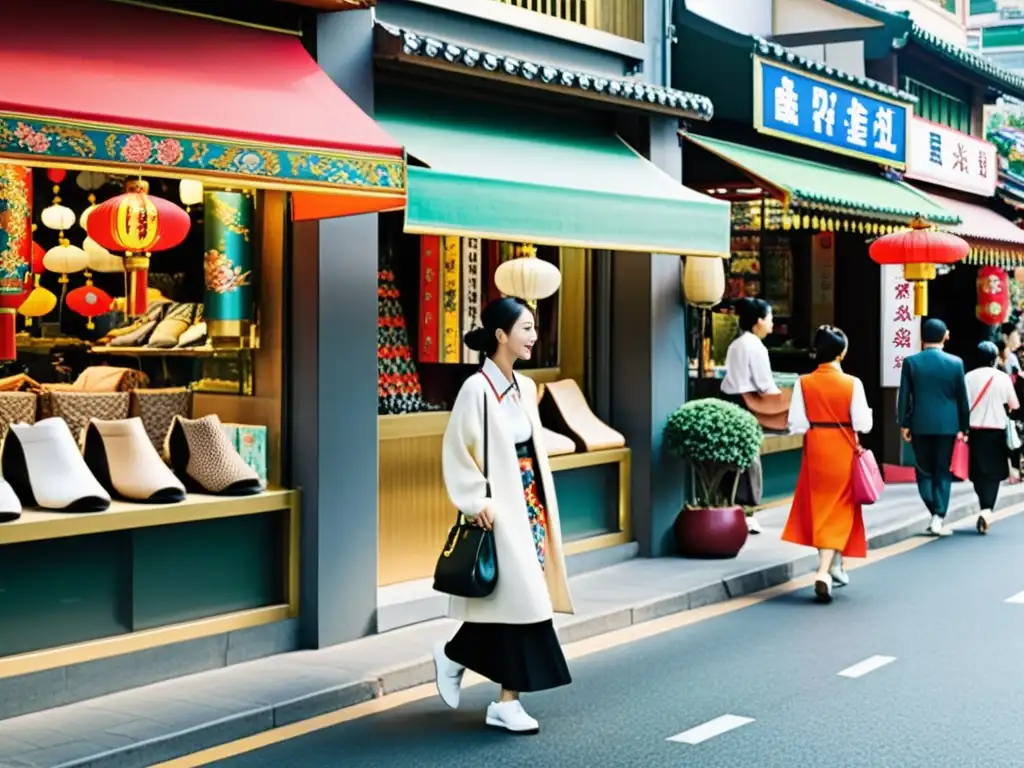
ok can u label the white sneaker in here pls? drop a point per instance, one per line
(511, 716)
(839, 576)
(984, 521)
(752, 525)
(449, 677)
(937, 528)
(823, 589)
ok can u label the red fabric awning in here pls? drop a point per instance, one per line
(207, 98)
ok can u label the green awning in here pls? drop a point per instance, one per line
(516, 175)
(825, 188)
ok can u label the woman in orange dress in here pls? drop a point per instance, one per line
(830, 408)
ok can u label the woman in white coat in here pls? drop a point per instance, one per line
(508, 636)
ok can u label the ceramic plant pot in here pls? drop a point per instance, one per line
(711, 533)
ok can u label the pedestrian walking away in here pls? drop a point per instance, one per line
(990, 391)
(508, 636)
(933, 414)
(830, 408)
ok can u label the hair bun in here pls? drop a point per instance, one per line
(476, 339)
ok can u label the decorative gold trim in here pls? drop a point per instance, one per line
(209, 17)
(572, 315)
(408, 425)
(38, 661)
(588, 459)
(781, 443)
(545, 375)
(760, 127)
(593, 543)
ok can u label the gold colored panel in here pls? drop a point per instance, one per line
(572, 342)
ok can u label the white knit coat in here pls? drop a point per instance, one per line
(526, 593)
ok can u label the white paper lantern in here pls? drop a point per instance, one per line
(100, 259)
(530, 279)
(703, 281)
(64, 259)
(58, 217)
(191, 192)
(85, 217)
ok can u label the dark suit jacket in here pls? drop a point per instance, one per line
(933, 394)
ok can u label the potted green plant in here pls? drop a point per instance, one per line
(720, 440)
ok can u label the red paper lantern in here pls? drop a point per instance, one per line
(919, 250)
(89, 301)
(993, 296)
(138, 224)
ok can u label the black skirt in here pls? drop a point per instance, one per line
(988, 455)
(519, 657)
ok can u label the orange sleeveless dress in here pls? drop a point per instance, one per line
(824, 514)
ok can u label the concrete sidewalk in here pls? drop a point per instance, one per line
(174, 718)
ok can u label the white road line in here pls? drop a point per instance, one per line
(710, 729)
(1018, 598)
(868, 665)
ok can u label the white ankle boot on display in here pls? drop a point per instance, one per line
(122, 457)
(45, 468)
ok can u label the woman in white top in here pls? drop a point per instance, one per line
(748, 369)
(508, 636)
(990, 392)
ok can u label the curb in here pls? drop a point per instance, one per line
(421, 671)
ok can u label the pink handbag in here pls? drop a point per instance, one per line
(868, 482)
(960, 465)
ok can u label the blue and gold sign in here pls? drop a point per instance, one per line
(227, 264)
(819, 112)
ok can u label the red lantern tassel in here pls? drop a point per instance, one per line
(8, 343)
(138, 288)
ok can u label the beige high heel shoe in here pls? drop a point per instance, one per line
(123, 459)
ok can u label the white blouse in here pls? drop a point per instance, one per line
(510, 402)
(748, 367)
(990, 412)
(861, 415)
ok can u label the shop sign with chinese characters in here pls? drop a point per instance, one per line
(949, 158)
(809, 110)
(901, 329)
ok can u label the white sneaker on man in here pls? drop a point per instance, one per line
(938, 528)
(511, 716)
(449, 677)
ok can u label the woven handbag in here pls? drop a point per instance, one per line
(468, 565)
(76, 408)
(157, 409)
(17, 408)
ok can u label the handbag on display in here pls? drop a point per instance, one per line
(868, 482)
(468, 565)
(960, 465)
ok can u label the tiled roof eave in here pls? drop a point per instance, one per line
(1001, 78)
(785, 55)
(622, 90)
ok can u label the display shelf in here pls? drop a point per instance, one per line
(205, 351)
(37, 525)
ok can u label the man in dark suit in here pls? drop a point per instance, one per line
(933, 413)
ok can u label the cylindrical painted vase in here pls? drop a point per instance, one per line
(227, 264)
(15, 250)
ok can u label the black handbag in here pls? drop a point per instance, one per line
(468, 565)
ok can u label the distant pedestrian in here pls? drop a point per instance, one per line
(990, 392)
(508, 636)
(933, 414)
(830, 408)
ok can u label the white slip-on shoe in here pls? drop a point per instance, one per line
(984, 521)
(45, 467)
(511, 716)
(823, 589)
(122, 457)
(938, 528)
(840, 578)
(753, 526)
(449, 677)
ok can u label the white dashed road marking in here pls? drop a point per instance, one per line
(710, 729)
(1018, 598)
(868, 665)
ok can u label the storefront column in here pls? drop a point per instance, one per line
(334, 383)
(649, 367)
